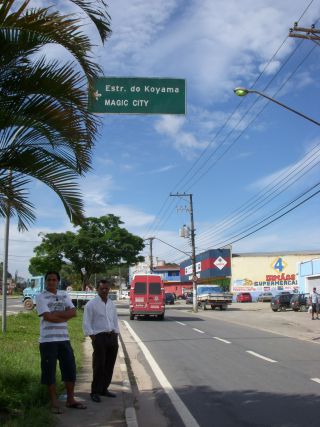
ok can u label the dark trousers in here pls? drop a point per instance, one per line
(51, 352)
(105, 350)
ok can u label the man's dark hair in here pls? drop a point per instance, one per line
(104, 282)
(52, 272)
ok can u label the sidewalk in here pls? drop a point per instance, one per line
(110, 412)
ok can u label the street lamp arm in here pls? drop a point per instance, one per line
(286, 106)
(240, 91)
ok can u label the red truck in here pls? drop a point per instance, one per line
(147, 297)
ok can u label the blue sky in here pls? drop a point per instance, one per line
(233, 154)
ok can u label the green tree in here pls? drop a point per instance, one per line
(98, 245)
(46, 132)
(9, 275)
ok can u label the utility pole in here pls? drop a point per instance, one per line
(193, 249)
(305, 33)
(5, 263)
(151, 254)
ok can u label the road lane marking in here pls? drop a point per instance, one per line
(316, 380)
(260, 356)
(198, 330)
(182, 410)
(180, 323)
(220, 339)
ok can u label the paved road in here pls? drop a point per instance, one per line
(14, 305)
(231, 375)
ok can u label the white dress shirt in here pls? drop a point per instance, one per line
(100, 316)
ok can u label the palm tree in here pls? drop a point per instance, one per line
(46, 131)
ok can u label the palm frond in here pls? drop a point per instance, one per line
(50, 170)
(38, 27)
(98, 15)
(14, 199)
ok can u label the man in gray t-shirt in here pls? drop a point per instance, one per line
(315, 303)
(55, 308)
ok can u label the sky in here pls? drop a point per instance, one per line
(245, 161)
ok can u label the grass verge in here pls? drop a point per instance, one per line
(23, 400)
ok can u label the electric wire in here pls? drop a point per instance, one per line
(266, 104)
(205, 150)
(152, 226)
(249, 212)
(243, 117)
(278, 217)
(305, 11)
(309, 53)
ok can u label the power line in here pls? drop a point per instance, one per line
(23, 241)
(224, 125)
(252, 205)
(281, 87)
(278, 217)
(304, 12)
(283, 84)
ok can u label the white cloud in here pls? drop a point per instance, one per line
(159, 170)
(21, 245)
(184, 142)
(219, 48)
(98, 191)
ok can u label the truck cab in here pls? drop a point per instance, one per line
(35, 286)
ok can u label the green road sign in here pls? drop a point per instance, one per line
(138, 95)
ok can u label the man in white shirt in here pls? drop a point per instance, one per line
(55, 308)
(100, 323)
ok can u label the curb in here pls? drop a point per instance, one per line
(130, 412)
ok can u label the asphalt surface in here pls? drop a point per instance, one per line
(244, 367)
(230, 374)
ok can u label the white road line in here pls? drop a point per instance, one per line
(198, 330)
(180, 323)
(316, 380)
(220, 339)
(261, 357)
(182, 410)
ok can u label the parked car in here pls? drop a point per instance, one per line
(244, 297)
(169, 298)
(189, 298)
(300, 302)
(265, 297)
(281, 302)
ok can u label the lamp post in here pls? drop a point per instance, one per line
(241, 91)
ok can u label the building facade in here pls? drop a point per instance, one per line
(267, 272)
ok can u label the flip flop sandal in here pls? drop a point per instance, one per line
(76, 405)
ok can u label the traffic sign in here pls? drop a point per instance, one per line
(137, 95)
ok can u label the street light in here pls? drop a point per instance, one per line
(242, 91)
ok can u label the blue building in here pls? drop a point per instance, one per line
(309, 275)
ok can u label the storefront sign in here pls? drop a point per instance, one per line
(210, 264)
